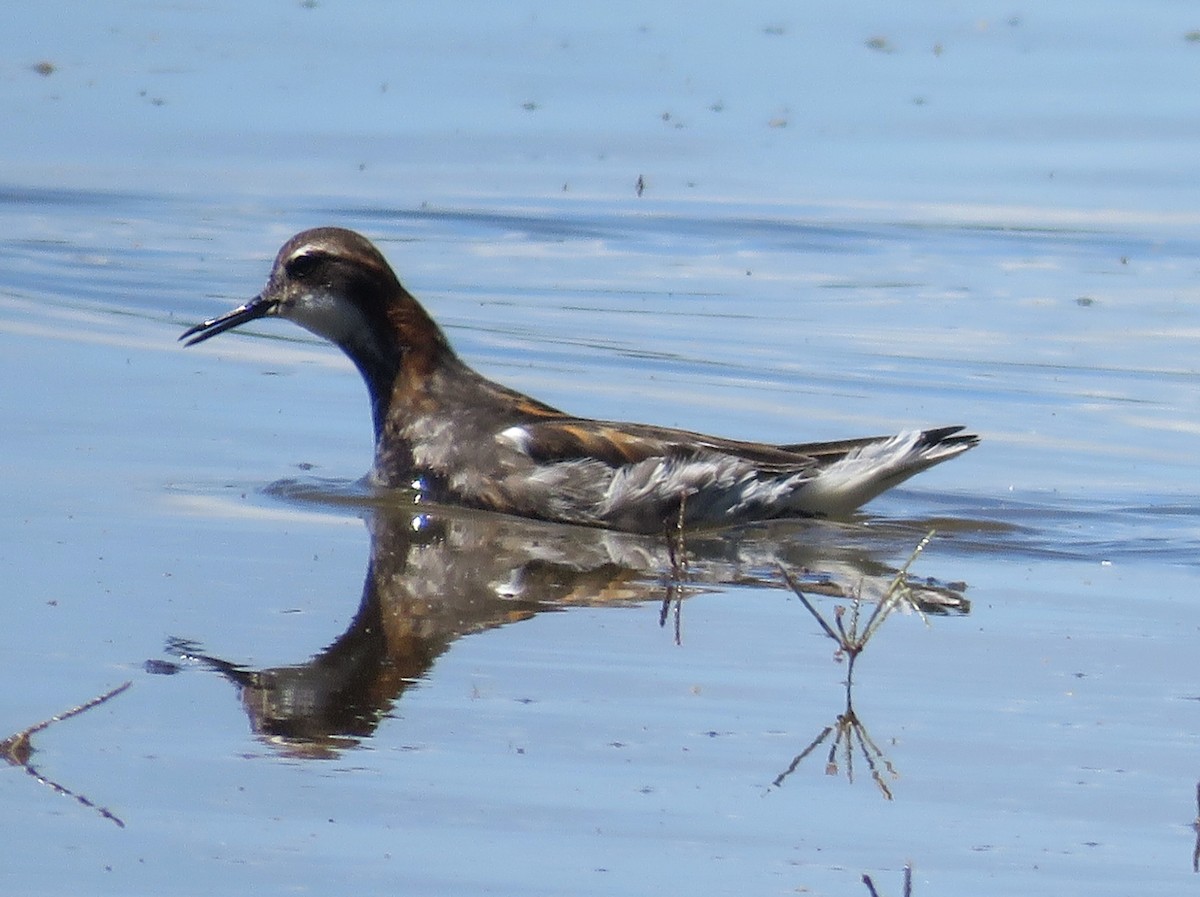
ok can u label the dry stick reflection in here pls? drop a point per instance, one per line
(851, 642)
(17, 750)
(848, 727)
(677, 555)
(1196, 826)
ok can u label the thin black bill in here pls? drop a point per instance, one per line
(255, 308)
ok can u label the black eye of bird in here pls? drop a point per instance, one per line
(302, 265)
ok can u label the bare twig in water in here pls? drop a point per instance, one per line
(17, 750)
(849, 638)
(866, 880)
(851, 641)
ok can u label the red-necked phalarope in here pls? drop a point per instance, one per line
(458, 437)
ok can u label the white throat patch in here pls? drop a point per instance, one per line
(328, 315)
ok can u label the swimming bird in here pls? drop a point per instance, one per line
(458, 437)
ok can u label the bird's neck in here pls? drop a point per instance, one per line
(396, 353)
(405, 387)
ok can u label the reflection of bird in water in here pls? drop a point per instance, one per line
(460, 438)
(438, 574)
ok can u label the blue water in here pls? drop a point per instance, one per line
(853, 220)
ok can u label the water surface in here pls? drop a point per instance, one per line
(852, 222)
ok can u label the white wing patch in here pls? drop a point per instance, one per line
(725, 488)
(868, 471)
(517, 437)
(716, 487)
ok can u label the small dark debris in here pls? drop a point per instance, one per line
(161, 667)
(45, 68)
